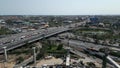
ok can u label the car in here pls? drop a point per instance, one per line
(44, 66)
(22, 37)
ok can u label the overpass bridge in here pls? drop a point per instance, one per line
(21, 39)
(25, 40)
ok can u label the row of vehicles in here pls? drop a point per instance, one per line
(19, 38)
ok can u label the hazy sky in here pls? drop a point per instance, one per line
(59, 7)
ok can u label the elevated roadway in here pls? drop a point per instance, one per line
(17, 40)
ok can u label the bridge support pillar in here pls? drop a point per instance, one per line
(34, 55)
(5, 55)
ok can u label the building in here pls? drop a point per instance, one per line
(94, 21)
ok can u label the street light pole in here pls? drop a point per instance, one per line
(34, 55)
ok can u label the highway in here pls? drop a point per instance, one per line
(76, 47)
(85, 46)
(17, 40)
(22, 39)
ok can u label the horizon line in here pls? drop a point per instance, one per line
(59, 15)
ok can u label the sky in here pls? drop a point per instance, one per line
(59, 7)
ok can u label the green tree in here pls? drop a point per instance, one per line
(60, 47)
(20, 59)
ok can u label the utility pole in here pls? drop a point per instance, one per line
(106, 51)
(34, 55)
(5, 55)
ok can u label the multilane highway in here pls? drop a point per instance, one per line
(17, 40)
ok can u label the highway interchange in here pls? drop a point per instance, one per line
(17, 40)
